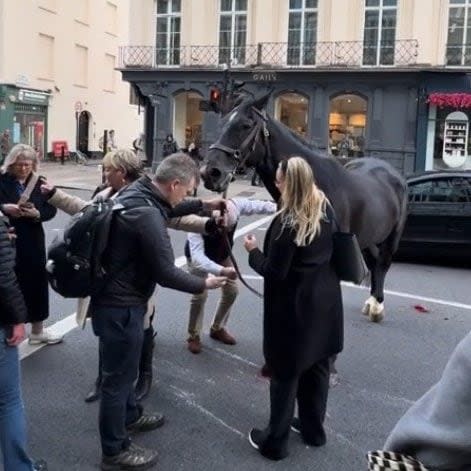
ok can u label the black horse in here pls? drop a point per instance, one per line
(369, 196)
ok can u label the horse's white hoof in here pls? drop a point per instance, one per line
(373, 309)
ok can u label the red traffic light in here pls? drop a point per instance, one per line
(214, 95)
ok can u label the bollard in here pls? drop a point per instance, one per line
(62, 155)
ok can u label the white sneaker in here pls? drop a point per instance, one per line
(46, 336)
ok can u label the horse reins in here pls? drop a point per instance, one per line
(241, 155)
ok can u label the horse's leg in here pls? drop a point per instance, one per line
(375, 303)
(372, 308)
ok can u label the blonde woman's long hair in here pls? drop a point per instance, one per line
(303, 204)
(17, 151)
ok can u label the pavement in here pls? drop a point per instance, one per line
(88, 177)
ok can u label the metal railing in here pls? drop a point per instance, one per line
(458, 54)
(339, 54)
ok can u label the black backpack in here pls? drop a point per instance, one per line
(74, 261)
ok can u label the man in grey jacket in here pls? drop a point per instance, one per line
(138, 257)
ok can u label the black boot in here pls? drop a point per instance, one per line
(144, 381)
(94, 394)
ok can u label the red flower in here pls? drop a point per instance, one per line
(453, 100)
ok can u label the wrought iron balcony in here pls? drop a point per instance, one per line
(458, 54)
(338, 54)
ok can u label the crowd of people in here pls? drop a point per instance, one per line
(303, 312)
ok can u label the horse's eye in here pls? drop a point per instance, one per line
(247, 124)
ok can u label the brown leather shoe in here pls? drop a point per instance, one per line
(194, 344)
(222, 335)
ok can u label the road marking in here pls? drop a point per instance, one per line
(187, 397)
(68, 324)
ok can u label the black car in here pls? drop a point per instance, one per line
(439, 215)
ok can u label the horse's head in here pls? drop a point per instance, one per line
(242, 130)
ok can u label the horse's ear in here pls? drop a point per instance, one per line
(261, 102)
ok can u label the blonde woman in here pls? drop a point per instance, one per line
(26, 214)
(303, 314)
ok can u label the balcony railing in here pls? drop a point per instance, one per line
(458, 54)
(340, 54)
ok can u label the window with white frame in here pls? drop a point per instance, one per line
(458, 48)
(379, 35)
(302, 32)
(232, 31)
(168, 32)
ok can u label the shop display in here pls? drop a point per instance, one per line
(455, 142)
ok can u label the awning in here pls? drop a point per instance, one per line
(453, 100)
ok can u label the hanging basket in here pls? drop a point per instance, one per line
(452, 100)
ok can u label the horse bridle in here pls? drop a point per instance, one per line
(242, 153)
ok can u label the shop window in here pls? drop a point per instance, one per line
(29, 124)
(302, 32)
(292, 110)
(188, 119)
(450, 137)
(458, 48)
(379, 32)
(168, 32)
(347, 125)
(232, 31)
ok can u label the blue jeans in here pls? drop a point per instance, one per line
(121, 333)
(12, 417)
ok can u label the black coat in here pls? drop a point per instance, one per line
(303, 313)
(12, 304)
(30, 248)
(139, 252)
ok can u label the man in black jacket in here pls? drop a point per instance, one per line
(138, 257)
(12, 332)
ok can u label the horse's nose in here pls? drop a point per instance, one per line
(214, 173)
(203, 172)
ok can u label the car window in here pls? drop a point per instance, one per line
(444, 190)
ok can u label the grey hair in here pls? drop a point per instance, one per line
(126, 160)
(178, 166)
(17, 151)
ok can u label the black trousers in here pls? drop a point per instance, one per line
(121, 332)
(310, 390)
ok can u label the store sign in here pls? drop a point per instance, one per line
(22, 80)
(264, 76)
(30, 96)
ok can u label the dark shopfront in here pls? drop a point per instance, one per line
(444, 121)
(24, 112)
(350, 114)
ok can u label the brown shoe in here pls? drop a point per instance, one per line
(194, 344)
(222, 335)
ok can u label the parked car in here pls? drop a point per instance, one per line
(439, 215)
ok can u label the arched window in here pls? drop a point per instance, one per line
(188, 119)
(292, 110)
(347, 124)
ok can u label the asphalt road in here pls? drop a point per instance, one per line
(211, 400)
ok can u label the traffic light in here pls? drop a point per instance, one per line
(215, 99)
(214, 102)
